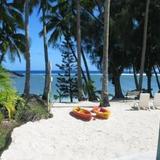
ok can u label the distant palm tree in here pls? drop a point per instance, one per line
(144, 45)
(104, 95)
(44, 5)
(79, 51)
(27, 50)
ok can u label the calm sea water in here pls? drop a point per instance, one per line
(37, 83)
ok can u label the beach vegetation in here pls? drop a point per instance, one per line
(105, 60)
(11, 40)
(67, 80)
(6, 128)
(32, 110)
(45, 6)
(8, 95)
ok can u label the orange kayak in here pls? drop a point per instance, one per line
(101, 112)
(81, 113)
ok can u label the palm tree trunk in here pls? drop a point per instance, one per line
(104, 95)
(70, 46)
(27, 52)
(86, 65)
(2, 58)
(79, 51)
(149, 80)
(117, 84)
(89, 85)
(47, 75)
(144, 45)
(135, 77)
(158, 68)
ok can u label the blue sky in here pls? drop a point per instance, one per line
(36, 50)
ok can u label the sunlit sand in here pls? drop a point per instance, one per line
(126, 135)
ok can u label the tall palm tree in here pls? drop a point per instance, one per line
(144, 45)
(44, 4)
(27, 50)
(79, 51)
(104, 94)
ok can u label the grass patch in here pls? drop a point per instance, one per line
(6, 128)
(33, 110)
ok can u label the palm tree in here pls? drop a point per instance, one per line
(46, 87)
(79, 51)
(104, 95)
(27, 50)
(11, 40)
(144, 45)
(44, 6)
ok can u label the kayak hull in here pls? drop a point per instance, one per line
(81, 113)
(101, 112)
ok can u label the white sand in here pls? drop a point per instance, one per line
(127, 135)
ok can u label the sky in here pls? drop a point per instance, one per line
(37, 51)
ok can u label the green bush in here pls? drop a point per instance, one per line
(1, 117)
(8, 95)
(5, 133)
(31, 112)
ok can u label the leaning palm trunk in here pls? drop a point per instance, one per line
(135, 77)
(89, 84)
(47, 66)
(79, 51)
(27, 52)
(2, 58)
(74, 55)
(149, 80)
(104, 95)
(144, 45)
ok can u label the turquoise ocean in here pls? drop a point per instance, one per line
(37, 83)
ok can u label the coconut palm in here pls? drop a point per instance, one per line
(11, 41)
(144, 44)
(61, 22)
(44, 7)
(27, 50)
(104, 95)
(26, 6)
(79, 51)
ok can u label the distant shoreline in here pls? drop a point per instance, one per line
(57, 71)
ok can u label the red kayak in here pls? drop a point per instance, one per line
(81, 113)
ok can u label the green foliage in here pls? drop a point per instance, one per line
(67, 81)
(1, 117)
(90, 89)
(8, 96)
(31, 112)
(11, 41)
(5, 134)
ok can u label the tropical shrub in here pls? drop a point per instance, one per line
(30, 112)
(1, 117)
(8, 95)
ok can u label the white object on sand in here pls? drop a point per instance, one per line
(143, 101)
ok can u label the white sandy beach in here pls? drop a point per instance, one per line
(126, 135)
